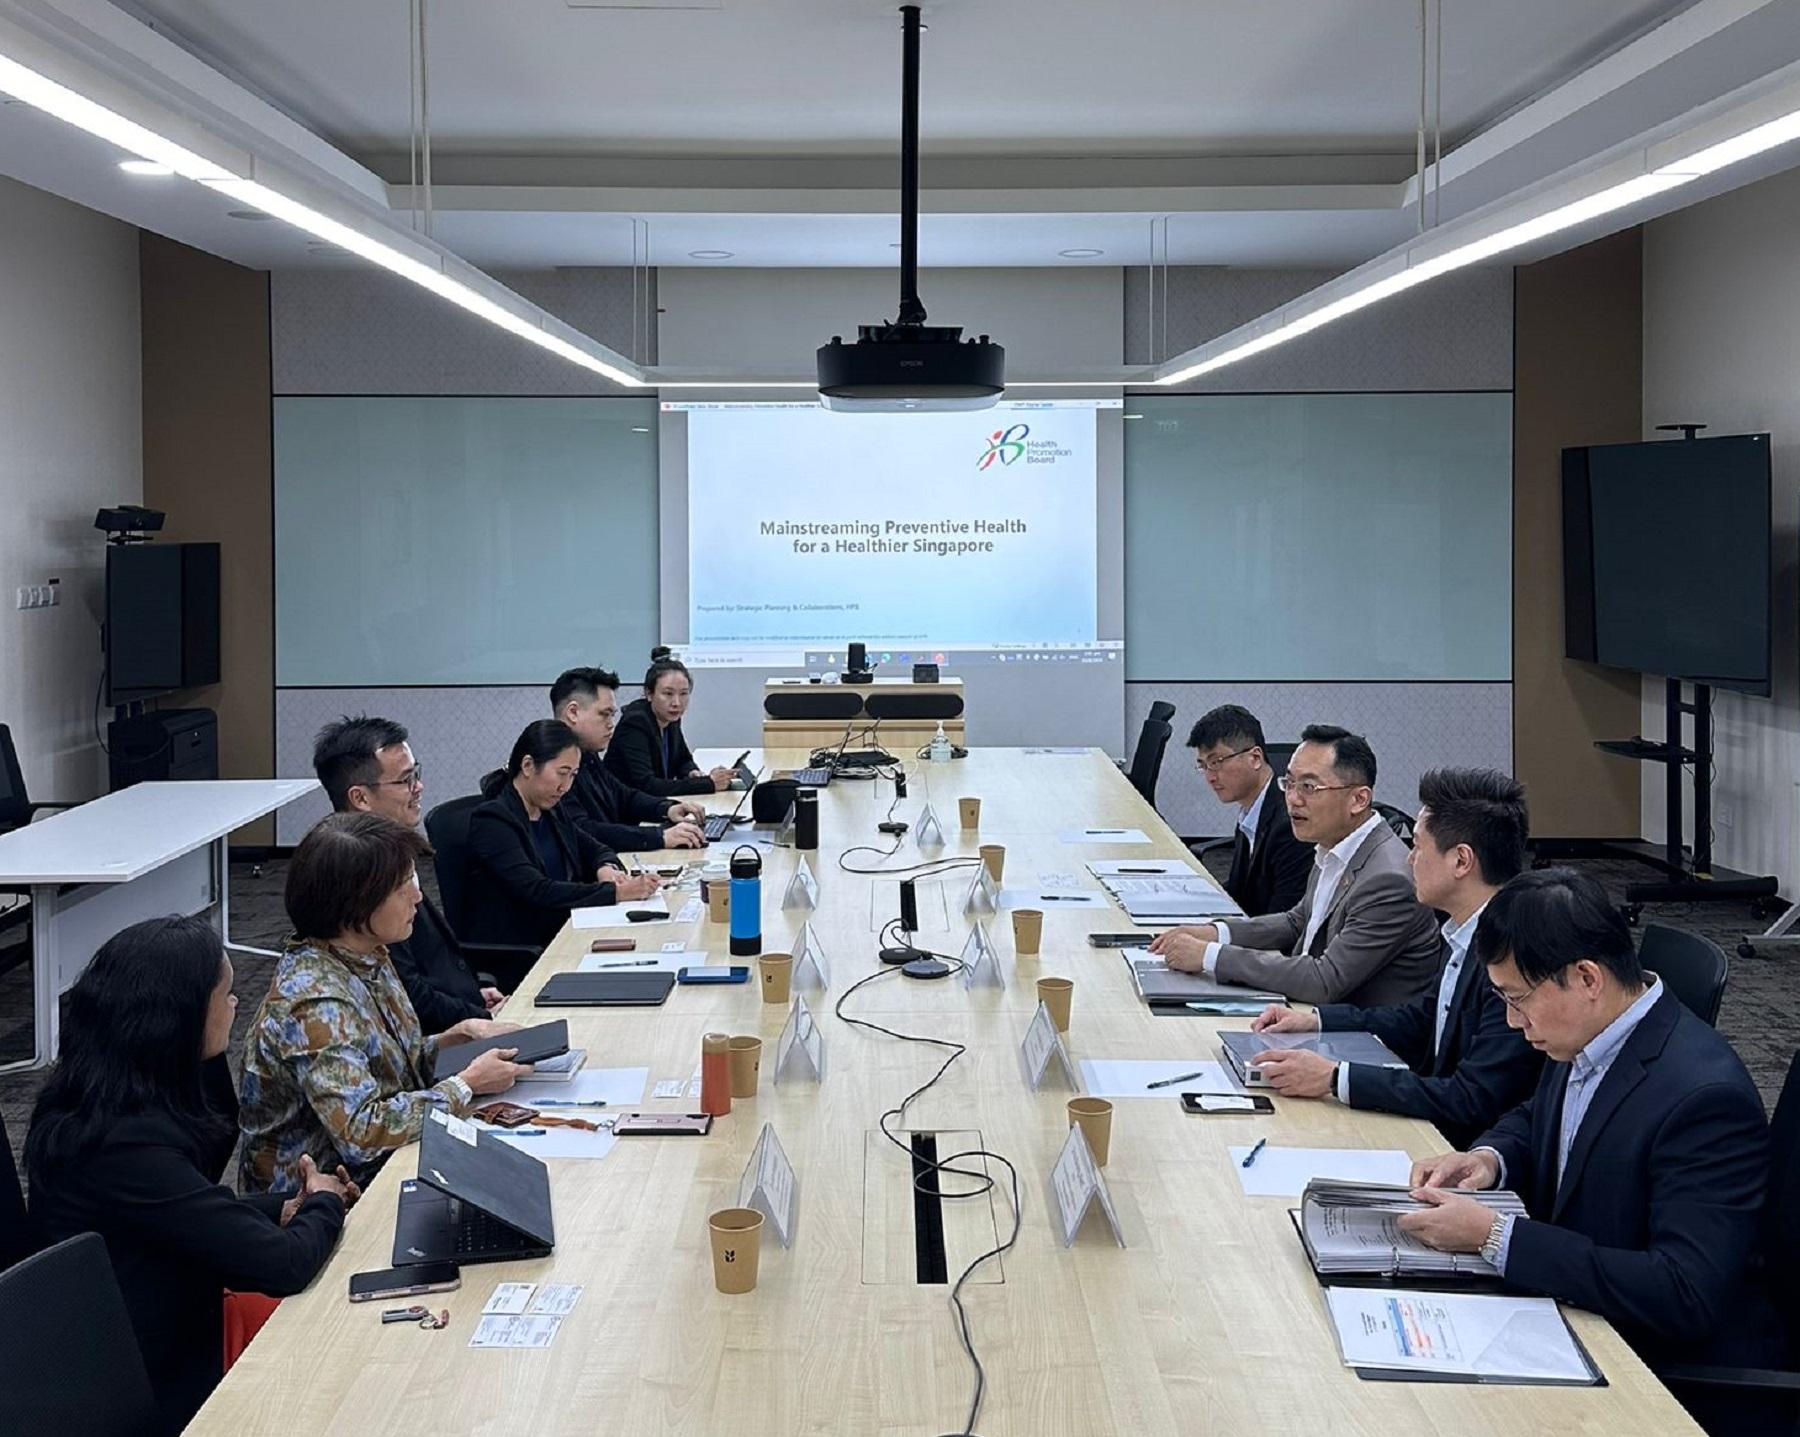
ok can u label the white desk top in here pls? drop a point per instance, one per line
(126, 834)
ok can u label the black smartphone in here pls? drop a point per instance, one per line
(714, 973)
(405, 1281)
(1223, 1103)
(1120, 940)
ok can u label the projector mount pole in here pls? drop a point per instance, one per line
(911, 310)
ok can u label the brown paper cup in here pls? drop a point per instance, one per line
(1095, 1118)
(969, 811)
(736, 1244)
(1057, 994)
(993, 856)
(1028, 931)
(746, 1066)
(777, 976)
(718, 899)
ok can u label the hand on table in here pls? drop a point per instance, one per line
(684, 835)
(1279, 1018)
(682, 811)
(1183, 952)
(1203, 932)
(1294, 1073)
(1457, 1170)
(628, 887)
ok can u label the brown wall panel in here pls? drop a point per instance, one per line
(207, 458)
(1578, 379)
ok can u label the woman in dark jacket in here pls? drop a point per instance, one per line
(530, 864)
(647, 750)
(130, 1136)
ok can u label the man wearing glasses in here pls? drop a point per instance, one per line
(367, 766)
(1357, 935)
(1269, 866)
(1642, 1156)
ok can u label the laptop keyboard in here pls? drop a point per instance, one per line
(717, 825)
(477, 1231)
(812, 777)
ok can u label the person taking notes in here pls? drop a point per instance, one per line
(1269, 866)
(1642, 1156)
(1357, 935)
(648, 751)
(620, 816)
(1466, 1065)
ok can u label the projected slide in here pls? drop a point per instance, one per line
(808, 529)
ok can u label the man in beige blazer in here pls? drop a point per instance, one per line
(1358, 934)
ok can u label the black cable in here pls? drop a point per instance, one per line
(985, 1183)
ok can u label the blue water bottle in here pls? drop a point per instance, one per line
(746, 902)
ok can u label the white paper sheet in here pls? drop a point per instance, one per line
(1472, 1334)
(1052, 900)
(557, 1299)
(559, 1142)
(613, 916)
(605, 1087)
(638, 962)
(1140, 868)
(1120, 1078)
(533, 1331)
(509, 1298)
(1102, 835)
(1284, 1172)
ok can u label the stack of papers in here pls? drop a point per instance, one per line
(1170, 898)
(1446, 1336)
(1352, 1227)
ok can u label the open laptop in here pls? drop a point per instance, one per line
(605, 990)
(476, 1199)
(718, 825)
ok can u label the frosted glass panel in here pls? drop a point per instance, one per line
(463, 541)
(1319, 536)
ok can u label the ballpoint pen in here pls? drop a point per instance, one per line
(628, 963)
(526, 1132)
(568, 1102)
(1059, 898)
(1171, 1082)
(1261, 1143)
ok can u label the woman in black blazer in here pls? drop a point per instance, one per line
(647, 749)
(530, 864)
(130, 1137)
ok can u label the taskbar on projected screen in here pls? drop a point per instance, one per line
(894, 662)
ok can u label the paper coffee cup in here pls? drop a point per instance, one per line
(736, 1244)
(1094, 1115)
(993, 856)
(777, 976)
(746, 1065)
(1028, 931)
(969, 811)
(717, 892)
(1057, 994)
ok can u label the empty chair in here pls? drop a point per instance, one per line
(1147, 757)
(16, 807)
(1694, 967)
(71, 1362)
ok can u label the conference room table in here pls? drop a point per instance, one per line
(1208, 1319)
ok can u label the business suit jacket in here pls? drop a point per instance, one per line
(617, 814)
(178, 1238)
(636, 755)
(1656, 1224)
(511, 899)
(443, 987)
(1270, 875)
(1378, 943)
(1483, 1069)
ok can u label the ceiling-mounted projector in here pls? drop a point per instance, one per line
(910, 364)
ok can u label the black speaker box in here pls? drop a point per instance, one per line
(900, 704)
(812, 703)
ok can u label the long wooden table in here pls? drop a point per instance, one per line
(1209, 1320)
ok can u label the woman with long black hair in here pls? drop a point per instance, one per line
(130, 1137)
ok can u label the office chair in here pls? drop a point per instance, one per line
(70, 1362)
(1147, 757)
(1399, 820)
(1694, 967)
(16, 807)
(1779, 1389)
(16, 1238)
(447, 826)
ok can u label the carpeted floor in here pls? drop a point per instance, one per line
(1761, 1013)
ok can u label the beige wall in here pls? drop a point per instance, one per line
(1578, 375)
(207, 463)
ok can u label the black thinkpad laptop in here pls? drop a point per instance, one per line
(605, 990)
(476, 1199)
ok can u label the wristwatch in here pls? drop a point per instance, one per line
(1490, 1248)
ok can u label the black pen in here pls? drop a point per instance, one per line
(1158, 872)
(1060, 898)
(1171, 1082)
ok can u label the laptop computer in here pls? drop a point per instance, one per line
(1344, 1047)
(718, 825)
(476, 1199)
(605, 990)
(1158, 985)
(546, 1040)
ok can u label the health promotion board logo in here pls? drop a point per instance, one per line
(1006, 445)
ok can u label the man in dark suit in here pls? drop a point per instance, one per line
(367, 766)
(1357, 935)
(1642, 1156)
(1269, 866)
(1466, 1066)
(622, 817)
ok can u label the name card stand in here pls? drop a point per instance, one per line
(803, 889)
(809, 958)
(1079, 1188)
(928, 832)
(984, 893)
(1042, 1044)
(769, 1186)
(981, 964)
(800, 1035)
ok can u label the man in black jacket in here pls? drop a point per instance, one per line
(1642, 1155)
(367, 766)
(1465, 1065)
(622, 817)
(1269, 866)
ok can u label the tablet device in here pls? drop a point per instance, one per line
(546, 1040)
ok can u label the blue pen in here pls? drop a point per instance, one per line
(1261, 1143)
(582, 1103)
(541, 1132)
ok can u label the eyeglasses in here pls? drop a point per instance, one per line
(1309, 788)
(1518, 1004)
(413, 778)
(1213, 765)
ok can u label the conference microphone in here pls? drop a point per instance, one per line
(909, 906)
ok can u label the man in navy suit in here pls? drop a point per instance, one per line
(1642, 1156)
(1269, 866)
(1466, 1065)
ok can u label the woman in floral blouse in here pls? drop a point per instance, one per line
(335, 1065)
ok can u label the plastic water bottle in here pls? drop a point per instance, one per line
(940, 745)
(746, 901)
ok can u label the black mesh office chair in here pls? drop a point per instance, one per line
(16, 806)
(16, 1240)
(1694, 967)
(70, 1362)
(447, 826)
(1147, 757)
(1398, 819)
